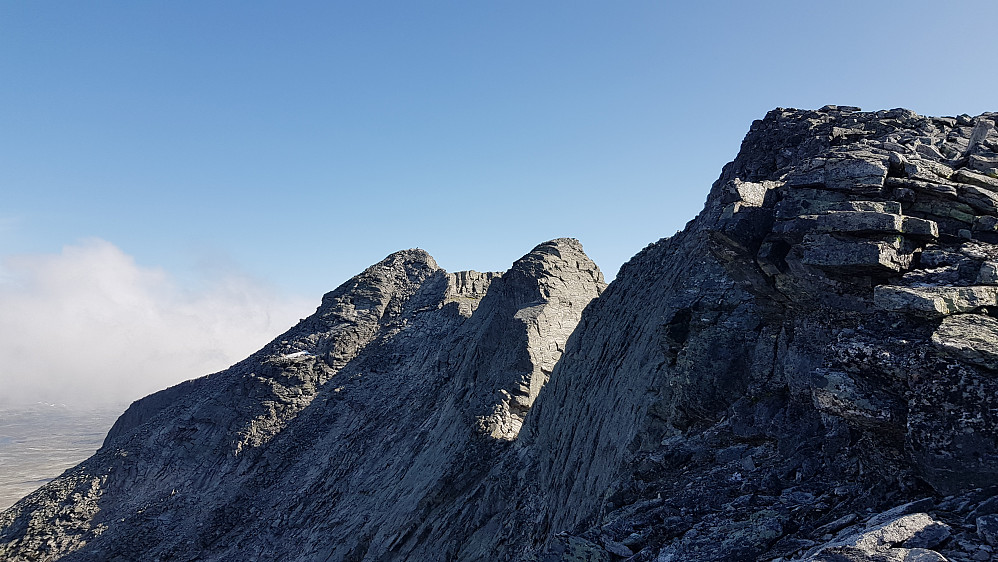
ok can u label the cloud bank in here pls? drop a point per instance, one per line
(89, 326)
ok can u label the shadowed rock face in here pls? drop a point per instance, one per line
(807, 371)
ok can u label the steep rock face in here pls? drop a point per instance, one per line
(807, 371)
(815, 346)
(813, 349)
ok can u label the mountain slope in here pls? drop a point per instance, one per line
(807, 371)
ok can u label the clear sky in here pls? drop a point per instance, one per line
(176, 173)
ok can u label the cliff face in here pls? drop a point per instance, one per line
(807, 371)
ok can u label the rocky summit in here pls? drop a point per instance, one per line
(808, 371)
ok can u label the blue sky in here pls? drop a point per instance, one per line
(287, 146)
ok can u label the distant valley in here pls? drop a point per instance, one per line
(38, 442)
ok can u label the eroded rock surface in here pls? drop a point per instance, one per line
(805, 372)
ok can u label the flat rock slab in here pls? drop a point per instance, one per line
(855, 173)
(970, 337)
(934, 301)
(794, 207)
(861, 222)
(857, 257)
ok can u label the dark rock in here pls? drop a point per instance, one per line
(934, 301)
(969, 337)
(987, 529)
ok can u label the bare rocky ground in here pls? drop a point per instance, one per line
(808, 371)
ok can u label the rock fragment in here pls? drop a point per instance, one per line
(969, 337)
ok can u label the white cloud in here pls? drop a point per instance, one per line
(90, 326)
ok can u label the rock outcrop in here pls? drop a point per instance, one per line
(806, 372)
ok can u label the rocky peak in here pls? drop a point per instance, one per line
(538, 302)
(806, 372)
(403, 345)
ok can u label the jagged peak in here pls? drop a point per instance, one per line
(549, 260)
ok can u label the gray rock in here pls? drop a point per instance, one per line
(986, 164)
(836, 393)
(928, 170)
(976, 179)
(969, 337)
(795, 207)
(987, 529)
(857, 257)
(983, 199)
(855, 173)
(904, 538)
(617, 549)
(934, 301)
(860, 222)
(751, 194)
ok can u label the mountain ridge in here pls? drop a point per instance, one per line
(804, 372)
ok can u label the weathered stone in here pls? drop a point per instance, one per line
(896, 512)
(930, 171)
(859, 257)
(988, 274)
(836, 393)
(969, 337)
(985, 164)
(854, 554)
(574, 549)
(904, 538)
(919, 186)
(928, 151)
(615, 548)
(793, 207)
(944, 209)
(986, 223)
(983, 128)
(987, 529)
(860, 222)
(913, 227)
(973, 178)
(751, 194)
(984, 200)
(934, 301)
(729, 540)
(855, 173)
(806, 178)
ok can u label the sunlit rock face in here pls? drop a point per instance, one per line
(807, 371)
